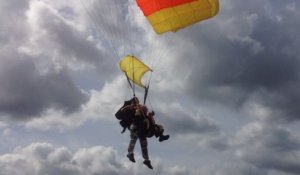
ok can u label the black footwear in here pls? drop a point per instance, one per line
(148, 164)
(162, 138)
(131, 157)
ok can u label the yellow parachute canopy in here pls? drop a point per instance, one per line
(134, 69)
(172, 15)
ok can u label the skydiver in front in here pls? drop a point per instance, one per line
(138, 131)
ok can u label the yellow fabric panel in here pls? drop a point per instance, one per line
(134, 69)
(214, 7)
(177, 17)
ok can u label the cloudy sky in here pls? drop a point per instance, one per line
(226, 89)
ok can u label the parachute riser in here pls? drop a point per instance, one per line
(146, 89)
(131, 85)
(146, 93)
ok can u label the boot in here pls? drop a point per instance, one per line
(162, 138)
(131, 157)
(148, 164)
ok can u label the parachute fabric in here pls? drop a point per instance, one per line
(172, 15)
(134, 69)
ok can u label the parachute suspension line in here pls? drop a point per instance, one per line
(147, 88)
(133, 87)
(169, 42)
(160, 53)
(107, 13)
(130, 84)
(129, 35)
(132, 35)
(117, 8)
(150, 53)
(164, 51)
(136, 37)
(155, 48)
(149, 100)
(127, 42)
(124, 29)
(155, 52)
(127, 39)
(152, 41)
(146, 93)
(93, 16)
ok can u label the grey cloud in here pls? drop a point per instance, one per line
(27, 90)
(188, 125)
(269, 147)
(241, 168)
(179, 171)
(262, 148)
(13, 28)
(254, 53)
(14, 5)
(71, 44)
(217, 143)
(25, 93)
(178, 121)
(13, 9)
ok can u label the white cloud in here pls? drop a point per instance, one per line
(44, 158)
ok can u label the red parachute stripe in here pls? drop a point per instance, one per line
(151, 6)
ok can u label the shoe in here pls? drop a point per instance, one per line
(131, 157)
(162, 138)
(148, 164)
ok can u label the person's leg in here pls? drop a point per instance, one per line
(159, 129)
(144, 147)
(133, 138)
